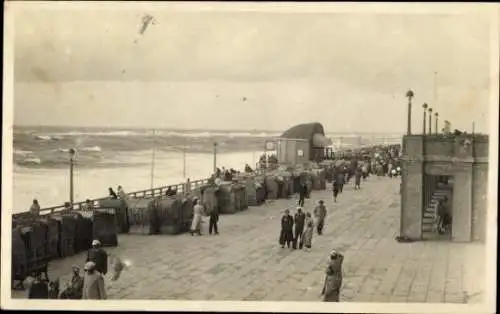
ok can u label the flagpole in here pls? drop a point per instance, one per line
(153, 156)
(184, 159)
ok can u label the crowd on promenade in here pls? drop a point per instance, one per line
(296, 230)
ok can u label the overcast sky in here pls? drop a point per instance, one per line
(349, 71)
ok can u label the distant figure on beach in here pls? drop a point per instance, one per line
(248, 169)
(35, 208)
(99, 256)
(88, 205)
(197, 217)
(299, 219)
(308, 233)
(336, 189)
(357, 179)
(333, 278)
(93, 283)
(286, 233)
(170, 192)
(302, 194)
(112, 194)
(121, 193)
(67, 206)
(74, 287)
(319, 215)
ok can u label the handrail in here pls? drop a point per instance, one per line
(154, 192)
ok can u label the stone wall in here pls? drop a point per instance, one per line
(467, 164)
(479, 202)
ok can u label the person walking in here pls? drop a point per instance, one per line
(197, 217)
(333, 278)
(93, 283)
(320, 214)
(336, 189)
(299, 219)
(308, 233)
(286, 234)
(302, 194)
(213, 220)
(98, 256)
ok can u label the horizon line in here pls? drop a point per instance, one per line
(189, 129)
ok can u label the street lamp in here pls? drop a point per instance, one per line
(430, 121)
(436, 123)
(409, 95)
(71, 152)
(215, 157)
(425, 117)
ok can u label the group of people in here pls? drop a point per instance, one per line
(90, 286)
(298, 229)
(198, 212)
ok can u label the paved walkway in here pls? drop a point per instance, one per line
(246, 263)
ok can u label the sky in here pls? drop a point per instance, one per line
(236, 69)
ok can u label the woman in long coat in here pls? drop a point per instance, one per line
(333, 279)
(286, 234)
(196, 223)
(308, 232)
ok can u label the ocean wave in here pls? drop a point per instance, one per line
(191, 134)
(30, 161)
(21, 152)
(80, 149)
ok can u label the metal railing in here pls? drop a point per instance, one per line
(154, 192)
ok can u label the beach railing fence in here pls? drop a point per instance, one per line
(154, 192)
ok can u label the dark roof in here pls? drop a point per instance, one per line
(304, 131)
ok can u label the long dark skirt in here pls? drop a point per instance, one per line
(286, 236)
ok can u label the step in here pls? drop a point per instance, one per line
(428, 214)
(426, 228)
(428, 221)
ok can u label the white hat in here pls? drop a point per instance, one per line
(333, 253)
(89, 265)
(298, 207)
(96, 242)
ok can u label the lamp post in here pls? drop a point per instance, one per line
(215, 157)
(425, 117)
(409, 95)
(430, 121)
(71, 152)
(436, 123)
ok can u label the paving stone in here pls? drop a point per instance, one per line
(245, 262)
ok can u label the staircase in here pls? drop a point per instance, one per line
(429, 219)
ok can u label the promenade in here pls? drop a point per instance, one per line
(245, 262)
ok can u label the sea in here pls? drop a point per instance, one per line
(136, 159)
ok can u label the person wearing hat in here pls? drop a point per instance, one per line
(299, 220)
(99, 256)
(93, 283)
(286, 234)
(197, 217)
(333, 278)
(319, 215)
(74, 287)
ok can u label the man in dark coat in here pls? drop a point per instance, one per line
(357, 178)
(302, 193)
(286, 234)
(39, 289)
(99, 256)
(319, 215)
(300, 219)
(341, 180)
